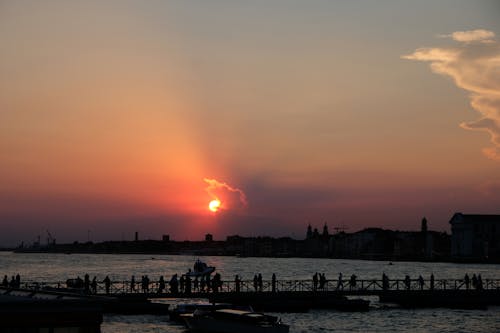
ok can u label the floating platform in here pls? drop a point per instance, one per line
(455, 299)
(292, 301)
(20, 314)
(117, 304)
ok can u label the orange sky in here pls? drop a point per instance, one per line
(112, 115)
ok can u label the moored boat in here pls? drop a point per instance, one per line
(230, 321)
(200, 269)
(176, 311)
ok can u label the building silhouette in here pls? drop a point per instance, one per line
(475, 237)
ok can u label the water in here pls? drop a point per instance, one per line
(59, 267)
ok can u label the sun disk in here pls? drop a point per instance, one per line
(214, 205)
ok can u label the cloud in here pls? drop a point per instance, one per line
(474, 67)
(479, 35)
(230, 197)
(490, 189)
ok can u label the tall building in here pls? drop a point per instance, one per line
(325, 231)
(309, 233)
(475, 236)
(423, 226)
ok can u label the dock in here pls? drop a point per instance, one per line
(71, 299)
(25, 311)
(301, 295)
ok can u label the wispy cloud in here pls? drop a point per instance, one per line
(230, 197)
(490, 189)
(474, 65)
(479, 35)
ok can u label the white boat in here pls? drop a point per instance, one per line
(200, 269)
(231, 321)
(176, 311)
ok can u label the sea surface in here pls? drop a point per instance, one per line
(380, 318)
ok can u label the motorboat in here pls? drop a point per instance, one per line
(231, 320)
(200, 269)
(176, 311)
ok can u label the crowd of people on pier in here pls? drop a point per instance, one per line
(319, 282)
(15, 281)
(87, 285)
(476, 281)
(187, 284)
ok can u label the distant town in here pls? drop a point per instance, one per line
(474, 238)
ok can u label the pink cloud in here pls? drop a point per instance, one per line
(475, 67)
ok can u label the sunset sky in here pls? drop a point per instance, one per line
(123, 116)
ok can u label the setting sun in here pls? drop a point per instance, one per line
(214, 205)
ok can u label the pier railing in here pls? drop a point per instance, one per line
(344, 286)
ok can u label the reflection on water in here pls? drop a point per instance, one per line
(54, 267)
(139, 324)
(394, 320)
(59, 267)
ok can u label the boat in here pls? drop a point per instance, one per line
(175, 312)
(230, 321)
(200, 269)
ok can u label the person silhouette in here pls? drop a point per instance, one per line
(93, 285)
(385, 281)
(18, 280)
(12, 283)
(182, 283)
(407, 282)
(352, 282)
(237, 283)
(322, 281)
(161, 285)
(132, 284)
(174, 284)
(107, 284)
(474, 281)
(315, 281)
(86, 283)
(146, 283)
(421, 282)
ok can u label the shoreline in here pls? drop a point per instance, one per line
(389, 261)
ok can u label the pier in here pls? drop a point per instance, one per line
(301, 295)
(367, 287)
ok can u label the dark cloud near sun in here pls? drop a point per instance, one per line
(474, 65)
